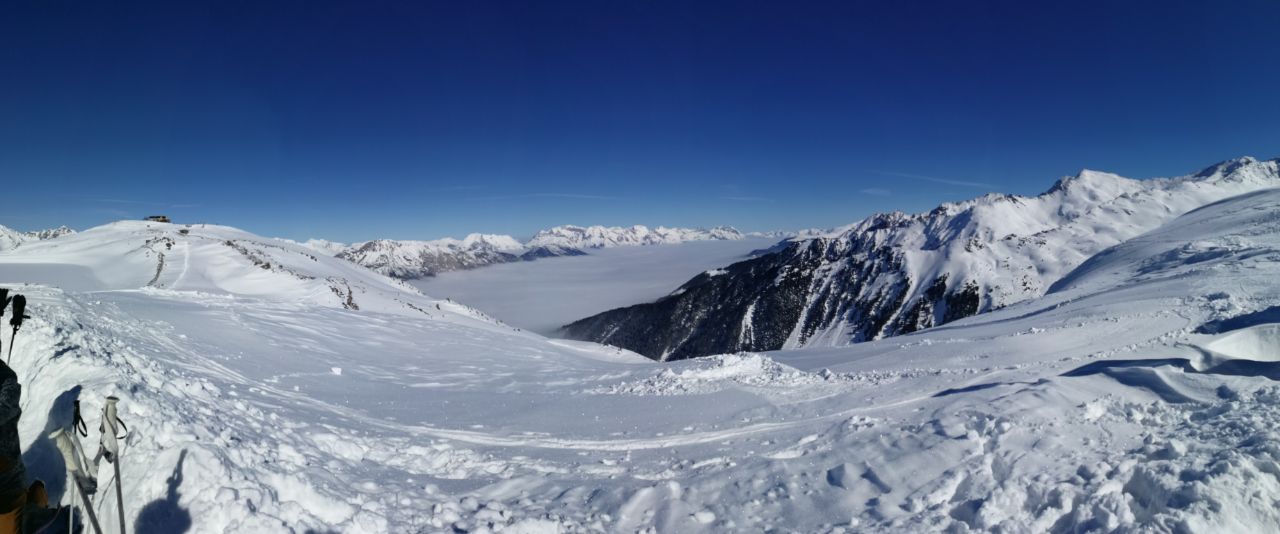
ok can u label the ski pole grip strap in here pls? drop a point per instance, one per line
(78, 422)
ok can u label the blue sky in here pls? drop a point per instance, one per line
(356, 120)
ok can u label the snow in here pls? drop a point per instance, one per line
(544, 295)
(415, 259)
(579, 237)
(1014, 248)
(420, 259)
(1098, 407)
(10, 238)
(331, 248)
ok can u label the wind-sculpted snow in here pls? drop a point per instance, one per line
(895, 273)
(1096, 407)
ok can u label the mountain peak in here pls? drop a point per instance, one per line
(1086, 179)
(1226, 168)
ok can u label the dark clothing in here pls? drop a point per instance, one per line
(13, 473)
(13, 487)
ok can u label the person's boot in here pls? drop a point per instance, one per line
(37, 495)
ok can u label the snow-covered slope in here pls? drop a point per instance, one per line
(132, 255)
(896, 273)
(1097, 407)
(420, 259)
(10, 238)
(268, 388)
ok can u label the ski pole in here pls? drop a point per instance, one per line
(79, 476)
(19, 313)
(110, 443)
(4, 302)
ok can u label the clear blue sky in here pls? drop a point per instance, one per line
(355, 120)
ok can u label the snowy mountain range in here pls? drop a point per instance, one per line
(896, 273)
(418, 259)
(578, 237)
(10, 238)
(270, 388)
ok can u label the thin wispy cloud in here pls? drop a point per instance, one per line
(457, 188)
(748, 199)
(569, 195)
(579, 196)
(119, 214)
(143, 203)
(875, 192)
(937, 180)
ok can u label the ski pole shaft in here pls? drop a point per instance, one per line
(88, 511)
(119, 495)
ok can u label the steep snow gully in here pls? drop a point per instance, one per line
(1138, 395)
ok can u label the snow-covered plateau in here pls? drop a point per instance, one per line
(269, 388)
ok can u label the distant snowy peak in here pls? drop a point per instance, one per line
(895, 273)
(50, 233)
(580, 237)
(331, 248)
(504, 243)
(11, 239)
(417, 259)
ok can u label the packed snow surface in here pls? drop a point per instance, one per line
(544, 295)
(1099, 407)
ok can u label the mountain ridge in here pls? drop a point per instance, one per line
(410, 259)
(895, 273)
(11, 239)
